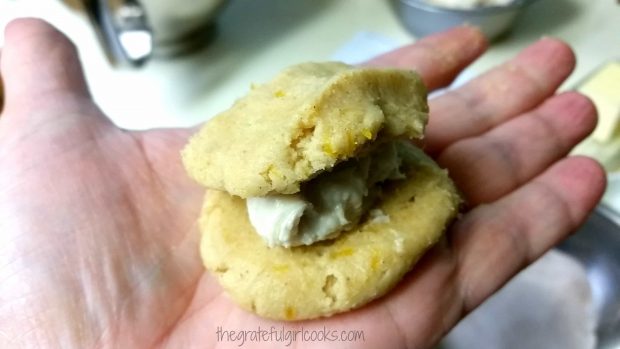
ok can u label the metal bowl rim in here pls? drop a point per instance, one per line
(422, 5)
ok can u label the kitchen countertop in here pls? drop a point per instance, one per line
(256, 38)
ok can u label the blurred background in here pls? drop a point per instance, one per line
(168, 63)
(253, 39)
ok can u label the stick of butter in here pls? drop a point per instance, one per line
(603, 88)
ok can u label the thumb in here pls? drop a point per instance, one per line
(39, 64)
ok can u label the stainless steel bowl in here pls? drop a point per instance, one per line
(422, 19)
(597, 246)
(131, 31)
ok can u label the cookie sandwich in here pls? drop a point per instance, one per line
(318, 199)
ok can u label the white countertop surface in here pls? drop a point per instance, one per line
(256, 38)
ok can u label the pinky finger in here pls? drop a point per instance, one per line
(494, 242)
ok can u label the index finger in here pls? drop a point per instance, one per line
(437, 58)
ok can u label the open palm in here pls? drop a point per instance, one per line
(98, 241)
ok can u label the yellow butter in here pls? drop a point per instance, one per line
(604, 89)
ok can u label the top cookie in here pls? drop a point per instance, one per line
(306, 120)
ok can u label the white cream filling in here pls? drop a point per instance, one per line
(329, 204)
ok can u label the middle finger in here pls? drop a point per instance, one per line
(499, 95)
(493, 164)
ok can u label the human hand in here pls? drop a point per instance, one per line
(98, 242)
